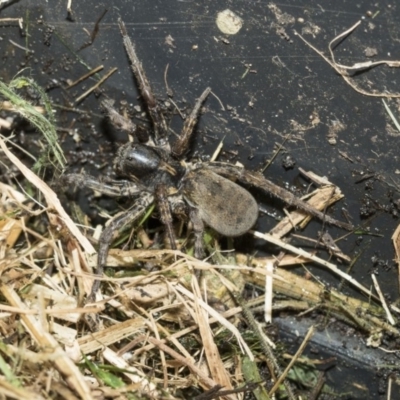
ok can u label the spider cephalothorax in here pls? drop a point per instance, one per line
(148, 165)
(154, 171)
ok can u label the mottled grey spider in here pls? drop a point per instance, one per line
(155, 171)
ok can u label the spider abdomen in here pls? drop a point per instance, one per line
(222, 204)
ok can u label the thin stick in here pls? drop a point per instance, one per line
(389, 111)
(301, 252)
(357, 67)
(217, 150)
(20, 148)
(396, 244)
(269, 269)
(389, 390)
(105, 77)
(82, 78)
(19, 20)
(219, 101)
(293, 360)
(318, 386)
(20, 47)
(170, 92)
(383, 301)
(94, 32)
(276, 153)
(345, 70)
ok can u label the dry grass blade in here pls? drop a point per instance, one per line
(269, 273)
(204, 380)
(346, 70)
(85, 76)
(44, 339)
(300, 252)
(215, 364)
(51, 199)
(396, 244)
(20, 21)
(59, 301)
(113, 334)
(133, 374)
(9, 391)
(383, 301)
(221, 320)
(391, 115)
(60, 220)
(10, 226)
(96, 85)
(299, 352)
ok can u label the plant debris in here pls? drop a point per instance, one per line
(148, 316)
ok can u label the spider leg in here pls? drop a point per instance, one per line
(165, 213)
(109, 187)
(180, 208)
(159, 124)
(198, 229)
(259, 181)
(181, 145)
(114, 224)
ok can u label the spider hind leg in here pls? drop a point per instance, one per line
(165, 213)
(258, 181)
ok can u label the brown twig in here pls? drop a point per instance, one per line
(83, 77)
(94, 87)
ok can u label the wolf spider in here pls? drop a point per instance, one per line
(156, 171)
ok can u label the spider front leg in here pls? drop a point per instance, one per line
(116, 223)
(181, 146)
(108, 187)
(257, 180)
(159, 124)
